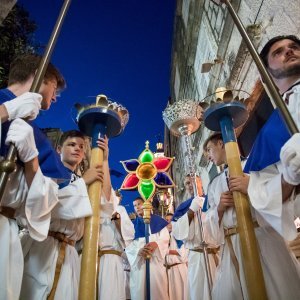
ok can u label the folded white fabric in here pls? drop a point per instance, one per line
(290, 159)
(21, 135)
(197, 203)
(26, 105)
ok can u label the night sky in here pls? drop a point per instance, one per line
(118, 48)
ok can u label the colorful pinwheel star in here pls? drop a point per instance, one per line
(146, 173)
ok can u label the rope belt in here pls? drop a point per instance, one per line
(229, 231)
(7, 212)
(212, 251)
(103, 252)
(61, 237)
(63, 240)
(168, 267)
(209, 250)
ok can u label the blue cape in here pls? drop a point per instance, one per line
(49, 160)
(157, 223)
(184, 207)
(267, 146)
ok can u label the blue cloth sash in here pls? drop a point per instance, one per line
(267, 146)
(49, 160)
(157, 223)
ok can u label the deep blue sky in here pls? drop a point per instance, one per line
(114, 47)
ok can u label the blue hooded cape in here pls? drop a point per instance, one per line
(49, 160)
(267, 146)
(184, 207)
(157, 223)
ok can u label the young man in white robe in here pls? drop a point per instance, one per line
(280, 270)
(30, 194)
(138, 250)
(116, 232)
(274, 184)
(176, 266)
(186, 228)
(52, 266)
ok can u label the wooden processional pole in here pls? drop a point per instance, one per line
(225, 117)
(103, 118)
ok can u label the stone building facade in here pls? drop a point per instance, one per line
(205, 33)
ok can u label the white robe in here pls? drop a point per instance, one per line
(33, 207)
(111, 279)
(126, 267)
(40, 257)
(265, 187)
(177, 275)
(280, 270)
(190, 235)
(158, 275)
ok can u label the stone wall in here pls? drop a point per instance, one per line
(204, 32)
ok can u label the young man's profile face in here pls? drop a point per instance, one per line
(169, 219)
(49, 92)
(138, 207)
(188, 183)
(284, 59)
(216, 152)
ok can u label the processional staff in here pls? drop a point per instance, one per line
(146, 174)
(96, 120)
(181, 119)
(8, 165)
(225, 117)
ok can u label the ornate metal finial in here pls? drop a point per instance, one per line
(104, 111)
(147, 145)
(226, 104)
(182, 114)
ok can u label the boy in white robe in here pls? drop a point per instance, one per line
(176, 266)
(138, 250)
(52, 266)
(29, 195)
(280, 270)
(116, 231)
(186, 228)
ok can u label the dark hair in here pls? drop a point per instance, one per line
(191, 175)
(70, 134)
(217, 136)
(169, 214)
(138, 198)
(265, 50)
(25, 66)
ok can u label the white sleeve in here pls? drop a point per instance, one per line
(132, 251)
(181, 228)
(41, 199)
(74, 201)
(214, 231)
(127, 227)
(265, 193)
(162, 239)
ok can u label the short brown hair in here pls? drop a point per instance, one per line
(217, 136)
(138, 198)
(25, 66)
(70, 134)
